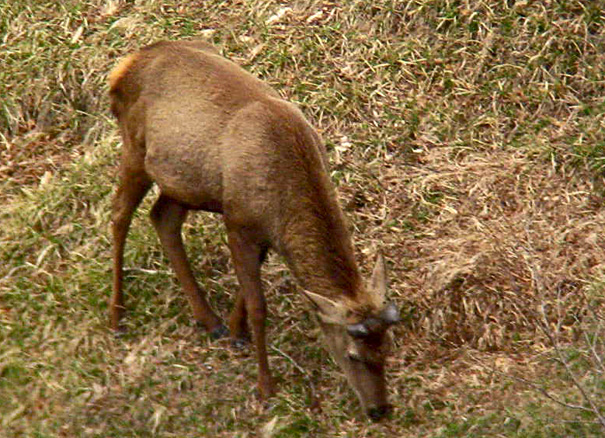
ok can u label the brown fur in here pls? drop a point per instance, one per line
(213, 137)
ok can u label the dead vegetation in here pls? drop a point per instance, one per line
(501, 225)
(467, 142)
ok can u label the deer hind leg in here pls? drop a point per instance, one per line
(238, 326)
(133, 187)
(247, 258)
(168, 216)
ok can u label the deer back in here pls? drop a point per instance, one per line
(217, 138)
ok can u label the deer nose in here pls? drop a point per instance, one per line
(379, 412)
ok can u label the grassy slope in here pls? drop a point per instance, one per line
(467, 141)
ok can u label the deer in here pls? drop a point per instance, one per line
(213, 137)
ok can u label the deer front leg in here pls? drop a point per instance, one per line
(247, 258)
(168, 216)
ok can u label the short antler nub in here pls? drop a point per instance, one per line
(390, 314)
(358, 330)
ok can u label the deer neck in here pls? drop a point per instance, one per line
(318, 249)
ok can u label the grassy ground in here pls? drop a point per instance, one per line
(467, 141)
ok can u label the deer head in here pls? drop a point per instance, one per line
(360, 344)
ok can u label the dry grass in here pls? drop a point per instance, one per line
(467, 142)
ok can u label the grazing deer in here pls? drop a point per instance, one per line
(215, 138)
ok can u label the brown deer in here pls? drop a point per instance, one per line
(215, 138)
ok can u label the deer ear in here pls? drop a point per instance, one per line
(329, 310)
(379, 283)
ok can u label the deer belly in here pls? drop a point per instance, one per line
(189, 177)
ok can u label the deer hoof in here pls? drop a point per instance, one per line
(219, 332)
(240, 343)
(268, 405)
(119, 332)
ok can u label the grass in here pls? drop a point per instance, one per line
(466, 140)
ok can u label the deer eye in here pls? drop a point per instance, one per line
(355, 357)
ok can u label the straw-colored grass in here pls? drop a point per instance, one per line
(467, 143)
